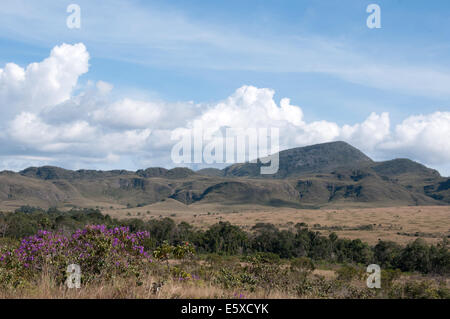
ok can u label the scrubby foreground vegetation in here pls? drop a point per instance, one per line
(161, 259)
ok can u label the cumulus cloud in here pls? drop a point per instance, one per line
(370, 133)
(249, 107)
(125, 141)
(43, 84)
(30, 130)
(46, 122)
(425, 137)
(129, 113)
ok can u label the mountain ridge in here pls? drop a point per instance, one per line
(319, 175)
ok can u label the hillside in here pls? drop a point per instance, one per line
(319, 158)
(330, 174)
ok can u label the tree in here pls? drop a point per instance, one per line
(415, 257)
(386, 253)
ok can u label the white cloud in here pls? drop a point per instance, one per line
(129, 113)
(42, 84)
(316, 132)
(249, 107)
(134, 141)
(104, 87)
(29, 129)
(93, 130)
(374, 130)
(422, 137)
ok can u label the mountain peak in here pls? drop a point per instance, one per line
(318, 158)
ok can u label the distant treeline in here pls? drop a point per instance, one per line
(226, 239)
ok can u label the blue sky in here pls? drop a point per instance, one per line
(320, 54)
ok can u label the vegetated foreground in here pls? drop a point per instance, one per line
(132, 258)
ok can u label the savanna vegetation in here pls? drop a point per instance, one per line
(132, 258)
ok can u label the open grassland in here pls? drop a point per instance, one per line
(398, 224)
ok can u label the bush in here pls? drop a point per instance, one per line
(100, 252)
(388, 276)
(302, 264)
(386, 253)
(415, 257)
(348, 272)
(421, 290)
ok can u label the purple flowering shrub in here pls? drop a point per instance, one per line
(109, 252)
(100, 252)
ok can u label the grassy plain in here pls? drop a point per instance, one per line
(399, 224)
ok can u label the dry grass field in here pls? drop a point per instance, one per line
(399, 224)
(126, 288)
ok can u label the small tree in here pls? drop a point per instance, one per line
(166, 251)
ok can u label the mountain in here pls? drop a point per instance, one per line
(54, 173)
(322, 175)
(303, 160)
(211, 172)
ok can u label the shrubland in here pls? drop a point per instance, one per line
(133, 258)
